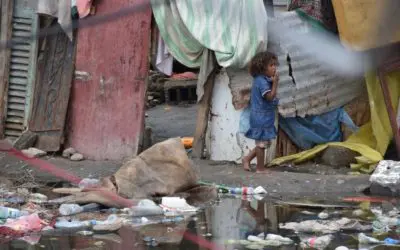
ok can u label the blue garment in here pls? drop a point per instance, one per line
(314, 130)
(262, 111)
(244, 124)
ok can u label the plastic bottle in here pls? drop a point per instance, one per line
(243, 190)
(71, 209)
(317, 242)
(389, 221)
(88, 183)
(364, 239)
(283, 240)
(72, 224)
(12, 213)
(390, 241)
(37, 198)
(173, 220)
(140, 211)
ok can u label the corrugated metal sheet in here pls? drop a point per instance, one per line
(317, 89)
(22, 70)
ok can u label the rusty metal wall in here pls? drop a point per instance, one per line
(317, 89)
(106, 111)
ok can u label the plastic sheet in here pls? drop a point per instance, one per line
(306, 132)
(372, 140)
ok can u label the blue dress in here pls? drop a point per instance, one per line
(262, 114)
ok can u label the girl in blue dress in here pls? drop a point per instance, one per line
(263, 103)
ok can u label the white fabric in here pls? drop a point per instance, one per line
(61, 9)
(164, 59)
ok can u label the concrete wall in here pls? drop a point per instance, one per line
(225, 142)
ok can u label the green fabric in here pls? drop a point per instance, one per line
(234, 29)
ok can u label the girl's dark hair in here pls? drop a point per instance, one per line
(260, 61)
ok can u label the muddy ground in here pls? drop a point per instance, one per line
(308, 180)
(279, 184)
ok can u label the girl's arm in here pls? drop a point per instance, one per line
(272, 94)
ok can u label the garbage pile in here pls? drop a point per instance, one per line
(107, 204)
(368, 227)
(26, 216)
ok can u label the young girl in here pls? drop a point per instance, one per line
(263, 104)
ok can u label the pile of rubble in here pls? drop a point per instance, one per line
(26, 143)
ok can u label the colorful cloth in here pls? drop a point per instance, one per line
(262, 111)
(234, 30)
(320, 11)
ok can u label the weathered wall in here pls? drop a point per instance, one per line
(225, 143)
(107, 107)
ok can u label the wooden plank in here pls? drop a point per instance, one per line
(50, 98)
(202, 118)
(5, 35)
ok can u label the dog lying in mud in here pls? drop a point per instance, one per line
(162, 170)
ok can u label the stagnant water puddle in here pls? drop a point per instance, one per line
(228, 223)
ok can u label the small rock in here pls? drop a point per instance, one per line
(340, 182)
(33, 152)
(323, 215)
(358, 213)
(77, 157)
(338, 156)
(68, 152)
(150, 97)
(342, 248)
(99, 243)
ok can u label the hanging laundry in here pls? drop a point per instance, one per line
(164, 59)
(201, 33)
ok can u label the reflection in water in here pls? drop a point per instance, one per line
(229, 219)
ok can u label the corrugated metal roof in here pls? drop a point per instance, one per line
(317, 89)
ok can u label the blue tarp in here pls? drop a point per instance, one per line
(309, 131)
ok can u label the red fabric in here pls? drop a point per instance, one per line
(183, 76)
(311, 8)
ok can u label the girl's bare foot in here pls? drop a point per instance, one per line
(262, 171)
(246, 164)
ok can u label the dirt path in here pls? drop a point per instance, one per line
(279, 184)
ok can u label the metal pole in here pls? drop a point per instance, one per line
(389, 108)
